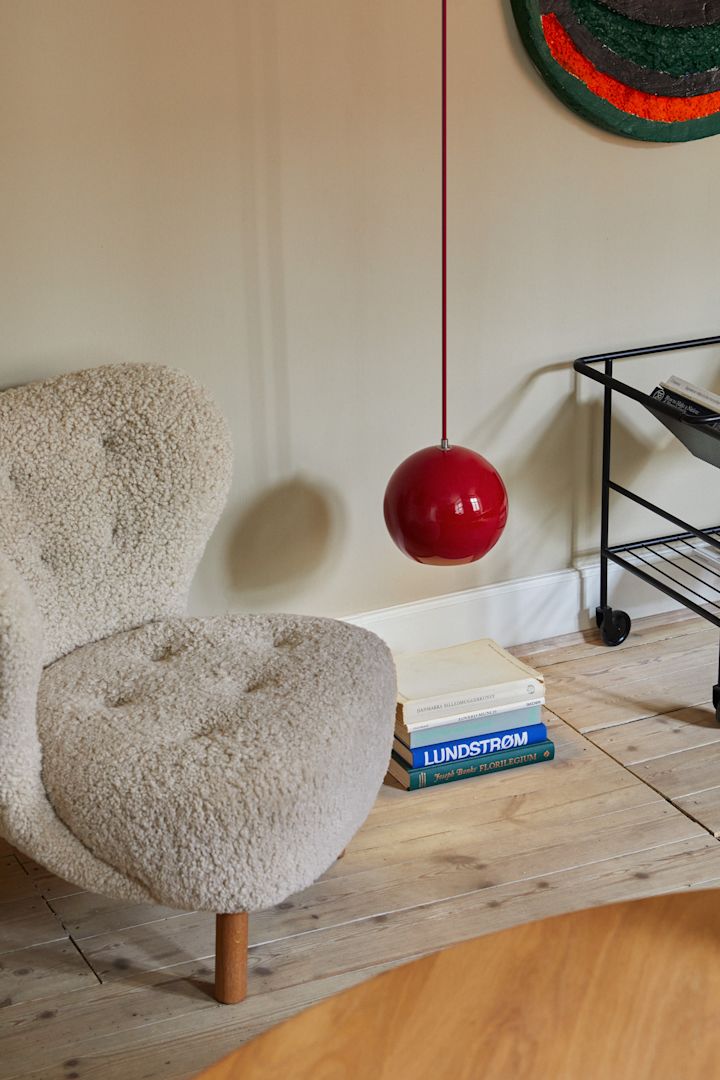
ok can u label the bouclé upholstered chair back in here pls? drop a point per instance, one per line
(111, 481)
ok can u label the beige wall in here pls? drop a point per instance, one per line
(248, 189)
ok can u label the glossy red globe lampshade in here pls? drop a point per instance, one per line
(445, 506)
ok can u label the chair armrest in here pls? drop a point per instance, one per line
(21, 652)
(27, 817)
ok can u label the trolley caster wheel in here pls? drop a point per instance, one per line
(614, 625)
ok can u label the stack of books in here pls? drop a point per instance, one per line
(470, 710)
(693, 401)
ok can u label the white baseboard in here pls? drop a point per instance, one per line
(625, 591)
(513, 612)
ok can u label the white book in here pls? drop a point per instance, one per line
(698, 394)
(462, 679)
(445, 719)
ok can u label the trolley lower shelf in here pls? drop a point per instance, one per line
(685, 564)
(682, 566)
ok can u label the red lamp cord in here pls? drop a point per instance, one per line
(444, 444)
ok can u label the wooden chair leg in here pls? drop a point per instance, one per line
(231, 944)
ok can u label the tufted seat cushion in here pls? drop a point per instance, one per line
(222, 763)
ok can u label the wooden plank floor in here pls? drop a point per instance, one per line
(93, 988)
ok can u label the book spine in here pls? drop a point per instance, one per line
(685, 406)
(449, 731)
(469, 717)
(490, 763)
(430, 711)
(466, 749)
(698, 394)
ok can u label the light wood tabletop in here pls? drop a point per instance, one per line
(624, 992)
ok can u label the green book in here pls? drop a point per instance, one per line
(479, 766)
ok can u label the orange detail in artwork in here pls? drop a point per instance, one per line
(636, 102)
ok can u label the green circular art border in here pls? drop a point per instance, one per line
(575, 94)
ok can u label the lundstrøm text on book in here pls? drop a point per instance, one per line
(462, 679)
(465, 749)
(686, 406)
(479, 766)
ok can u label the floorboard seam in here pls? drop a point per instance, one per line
(697, 821)
(658, 716)
(85, 960)
(132, 926)
(595, 639)
(426, 905)
(647, 784)
(670, 753)
(58, 919)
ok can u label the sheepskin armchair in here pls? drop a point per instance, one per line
(217, 763)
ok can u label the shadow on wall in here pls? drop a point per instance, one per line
(285, 536)
(561, 464)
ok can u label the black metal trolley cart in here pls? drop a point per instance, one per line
(684, 564)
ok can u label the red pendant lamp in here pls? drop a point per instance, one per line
(445, 505)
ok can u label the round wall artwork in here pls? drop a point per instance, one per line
(647, 69)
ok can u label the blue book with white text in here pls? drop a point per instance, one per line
(424, 757)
